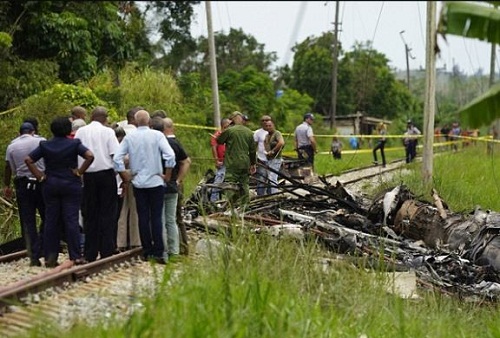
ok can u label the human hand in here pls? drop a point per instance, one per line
(253, 169)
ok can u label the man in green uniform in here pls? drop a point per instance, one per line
(240, 158)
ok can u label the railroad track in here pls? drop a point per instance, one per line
(22, 301)
(17, 299)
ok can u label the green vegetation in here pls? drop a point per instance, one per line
(258, 286)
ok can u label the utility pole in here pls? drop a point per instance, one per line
(335, 67)
(430, 94)
(495, 126)
(408, 55)
(213, 65)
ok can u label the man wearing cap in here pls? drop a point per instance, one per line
(305, 142)
(28, 189)
(99, 186)
(240, 157)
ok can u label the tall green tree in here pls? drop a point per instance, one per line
(311, 72)
(171, 21)
(81, 37)
(235, 51)
(365, 81)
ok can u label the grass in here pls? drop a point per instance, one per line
(269, 288)
(257, 286)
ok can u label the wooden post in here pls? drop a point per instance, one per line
(335, 67)
(213, 65)
(430, 94)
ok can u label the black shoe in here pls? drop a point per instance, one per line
(158, 260)
(51, 264)
(35, 262)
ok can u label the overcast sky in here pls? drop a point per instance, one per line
(279, 25)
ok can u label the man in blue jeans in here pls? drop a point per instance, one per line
(172, 235)
(148, 174)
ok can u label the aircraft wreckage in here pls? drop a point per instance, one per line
(457, 254)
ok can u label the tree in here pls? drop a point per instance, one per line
(479, 21)
(235, 51)
(365, 81)
(172, 21)
(252, 91)
(81, 37)
(311, 71)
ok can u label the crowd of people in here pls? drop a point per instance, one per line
(240, 153)
(105, 188)
(100, 188)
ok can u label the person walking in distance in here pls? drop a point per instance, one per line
(410, 141)
(240, 158)
(273, 145)
(260, 136)
(336, 148)
(382, 131)
(61, 188)
(99, 187)
(151, 161)
(28, 190)
(218, 151)
(305, 142)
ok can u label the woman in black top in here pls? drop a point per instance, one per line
(62, 188)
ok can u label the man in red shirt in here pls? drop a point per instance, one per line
(218, 151)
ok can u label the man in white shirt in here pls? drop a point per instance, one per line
(100, 201)
(305, 142)
(260, 136)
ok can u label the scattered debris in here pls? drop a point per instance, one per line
(454, 253)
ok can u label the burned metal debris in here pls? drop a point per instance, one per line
(455, 253)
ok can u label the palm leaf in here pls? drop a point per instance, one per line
(473, 20)
(480, 21)
(482, 110)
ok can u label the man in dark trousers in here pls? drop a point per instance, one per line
(151, 161)
(99, 187)
(28, 189)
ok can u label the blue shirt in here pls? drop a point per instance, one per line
(146, 149)
(353, 141)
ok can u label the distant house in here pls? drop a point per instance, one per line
(357, 124)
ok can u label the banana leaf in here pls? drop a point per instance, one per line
(481, 21)
(473, 20)
(482, 110)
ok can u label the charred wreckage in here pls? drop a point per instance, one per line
(456, 254)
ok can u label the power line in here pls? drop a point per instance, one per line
(298, 23)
